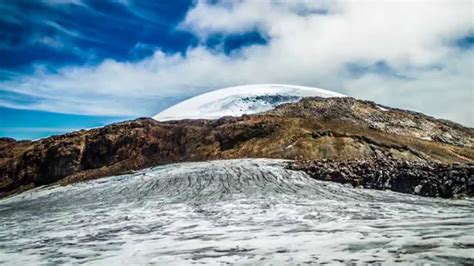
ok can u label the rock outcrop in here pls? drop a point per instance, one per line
(312, 129)
(419, 178)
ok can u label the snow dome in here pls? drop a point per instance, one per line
(239, 100)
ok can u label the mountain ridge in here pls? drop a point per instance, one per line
(314, 128)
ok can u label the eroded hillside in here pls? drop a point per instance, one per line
(314, 128)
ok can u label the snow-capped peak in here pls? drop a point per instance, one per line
(239, 100)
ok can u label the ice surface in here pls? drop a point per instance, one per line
(237, 211)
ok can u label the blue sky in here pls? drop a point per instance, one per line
(72, 64)
(56, 35)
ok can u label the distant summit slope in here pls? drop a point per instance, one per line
(314, 128)
(370, 115)
(239, 100)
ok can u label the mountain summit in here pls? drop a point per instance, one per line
(239, 100)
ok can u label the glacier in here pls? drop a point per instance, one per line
(243, 211)
(239, 100)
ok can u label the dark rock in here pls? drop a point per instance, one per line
(421, 178)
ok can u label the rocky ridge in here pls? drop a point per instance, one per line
(419, 178)
(312, 129)
(383, 118)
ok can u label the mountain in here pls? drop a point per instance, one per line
(239, 100)
(314, 128)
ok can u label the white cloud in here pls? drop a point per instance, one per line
(445, 92)
(305, 47)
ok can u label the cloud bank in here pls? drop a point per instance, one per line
(398, 53)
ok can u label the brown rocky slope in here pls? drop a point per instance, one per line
(312, 129)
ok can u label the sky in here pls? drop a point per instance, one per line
(72, 64)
